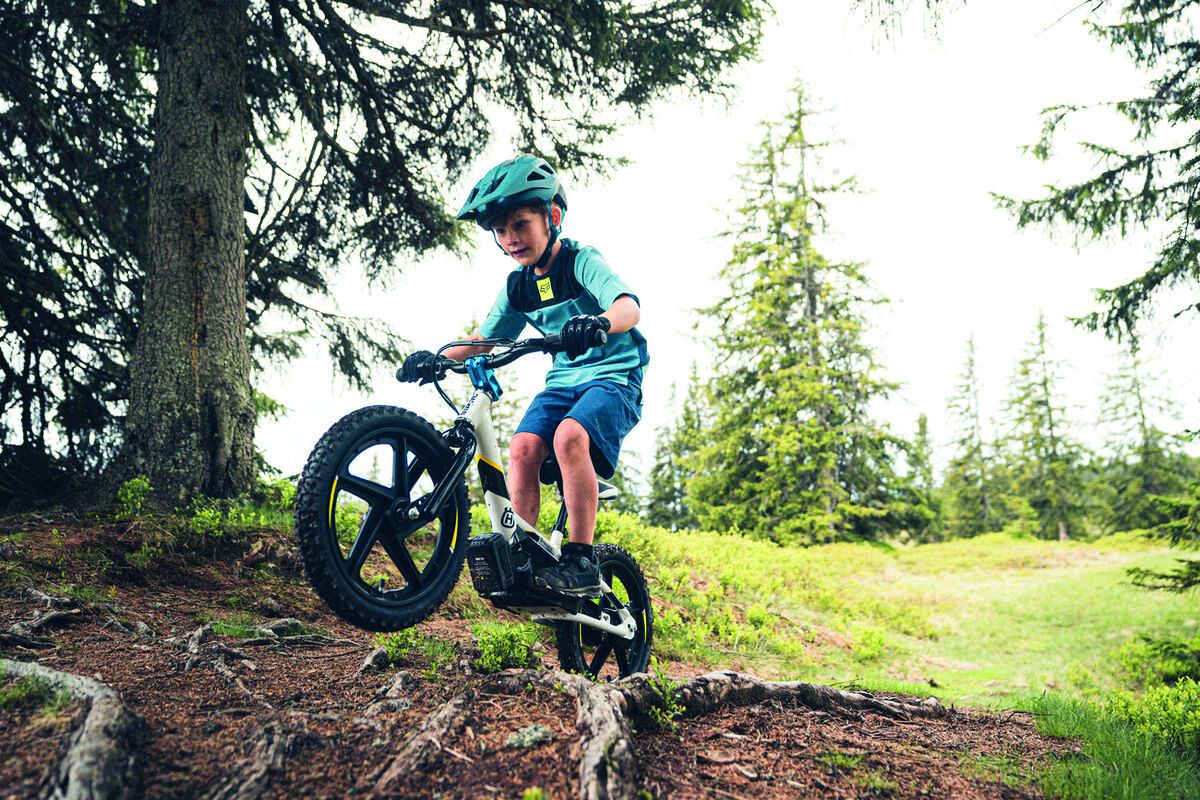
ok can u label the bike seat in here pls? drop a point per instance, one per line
(551, 475)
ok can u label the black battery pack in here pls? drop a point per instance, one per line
(489, 558)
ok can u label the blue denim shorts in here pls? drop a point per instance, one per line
(606, 410)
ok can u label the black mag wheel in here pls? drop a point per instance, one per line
(605, 656)
(372, 565)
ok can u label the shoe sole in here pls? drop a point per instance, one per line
(592, 591)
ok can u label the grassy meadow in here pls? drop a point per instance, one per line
(994, 622)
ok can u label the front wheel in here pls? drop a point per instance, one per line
(373, 566)
(605, 656)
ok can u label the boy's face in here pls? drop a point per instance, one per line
(524, 234)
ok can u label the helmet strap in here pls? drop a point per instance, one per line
(554, 230)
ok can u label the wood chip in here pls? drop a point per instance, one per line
(715, 757)
(746, 772)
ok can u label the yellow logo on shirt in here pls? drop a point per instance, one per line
(545, 291)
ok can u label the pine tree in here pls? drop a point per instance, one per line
(1145, 463)
(968, 491)
(1043, 462)
(675, 446)
(136, 133)
(791, 453)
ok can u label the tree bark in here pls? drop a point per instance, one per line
(190, 423)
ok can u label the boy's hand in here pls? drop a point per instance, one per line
(579, 334)
(420, 366)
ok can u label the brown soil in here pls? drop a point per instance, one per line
(31, 744)
(202, 724)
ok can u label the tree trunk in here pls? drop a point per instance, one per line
(190, 425)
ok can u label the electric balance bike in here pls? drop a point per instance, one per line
(384, 526)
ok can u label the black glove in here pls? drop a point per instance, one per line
(580, 334)
(419, 367)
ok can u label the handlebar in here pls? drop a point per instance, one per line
(550, 344)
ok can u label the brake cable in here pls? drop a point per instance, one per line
(471, 343)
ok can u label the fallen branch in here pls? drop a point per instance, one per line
(10, 639)
(46, 620)
(99, 762)
(422, 749)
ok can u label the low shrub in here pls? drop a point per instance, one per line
(504, 645)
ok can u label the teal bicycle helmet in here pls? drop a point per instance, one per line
(522, 181)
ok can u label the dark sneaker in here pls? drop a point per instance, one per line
(575, 575)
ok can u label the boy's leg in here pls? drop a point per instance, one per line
(572, 447)
(526, 452)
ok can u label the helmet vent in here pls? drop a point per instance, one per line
(536, 176)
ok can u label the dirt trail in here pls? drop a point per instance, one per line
(294, 715)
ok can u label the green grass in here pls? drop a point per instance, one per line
(1118, 762)
(32, 691)
(987, 622)
(239, 625)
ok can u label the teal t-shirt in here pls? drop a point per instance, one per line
(580, 281)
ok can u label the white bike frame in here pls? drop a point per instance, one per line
(506, 521)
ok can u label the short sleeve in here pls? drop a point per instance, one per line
(503, 321)
(597, 277)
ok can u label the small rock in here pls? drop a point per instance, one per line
(529, 736)
(286, 626)
(747, 772)
(143, 630)
(269, 605)
(400, 684)
(376, 660)
(392, 704)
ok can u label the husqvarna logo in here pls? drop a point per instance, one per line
(507, 519)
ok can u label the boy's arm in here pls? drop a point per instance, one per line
(465, 350)
(623, 314)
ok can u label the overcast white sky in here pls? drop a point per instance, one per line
(929, 126)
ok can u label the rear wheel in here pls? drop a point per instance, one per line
(371, 564)
(606, 656)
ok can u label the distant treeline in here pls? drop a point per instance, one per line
(779, 443)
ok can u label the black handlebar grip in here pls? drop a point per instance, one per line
(553, 343)
(400, 375)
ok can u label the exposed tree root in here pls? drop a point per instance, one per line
(99, 761)
(607, 761)
(709, 692)
(421, 749)
(252, 775)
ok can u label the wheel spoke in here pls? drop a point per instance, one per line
(601, 654)
(400, 467)
(368, 532)
(401, 557)
(622, 661)
(370, 491)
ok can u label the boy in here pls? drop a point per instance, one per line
(593, 394)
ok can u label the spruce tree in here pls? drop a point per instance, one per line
(1042, 460)
(1145, 463)
(675, 446)
(791, 453)
(967, 490)
(135, 291)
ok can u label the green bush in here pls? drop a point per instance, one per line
(133, 494)
(504, 645)
(399, 644)
(1169, 713)
(1157, 660)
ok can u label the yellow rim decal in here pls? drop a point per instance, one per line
(581, 635)
(454, 537)
(490, 463)
(332, 494)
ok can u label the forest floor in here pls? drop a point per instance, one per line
(225, 709)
